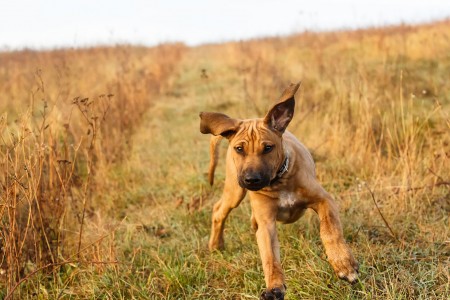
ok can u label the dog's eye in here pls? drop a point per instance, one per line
(239, 149)
(267, 148)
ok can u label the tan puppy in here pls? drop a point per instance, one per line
(278, 173)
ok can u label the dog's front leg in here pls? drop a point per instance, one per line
(337, 250)
(264, 215)
(221, 210)
(231, 197)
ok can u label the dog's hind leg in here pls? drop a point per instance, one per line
(231, 198)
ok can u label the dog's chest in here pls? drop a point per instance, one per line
(290, 207)
(287, 199)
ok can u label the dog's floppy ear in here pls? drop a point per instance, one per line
(218, 124)
(281, 114)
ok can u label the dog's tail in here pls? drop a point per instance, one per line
(214, 156)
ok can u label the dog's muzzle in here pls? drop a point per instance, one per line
(253, 181)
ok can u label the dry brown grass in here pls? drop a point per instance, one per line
(57, 145)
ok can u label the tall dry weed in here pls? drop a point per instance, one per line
(57, 145)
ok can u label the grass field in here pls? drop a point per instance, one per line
(104, 194)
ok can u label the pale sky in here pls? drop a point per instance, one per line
(59, 23)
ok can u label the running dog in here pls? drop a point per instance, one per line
(278, 172)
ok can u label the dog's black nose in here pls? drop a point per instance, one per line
(252, 179)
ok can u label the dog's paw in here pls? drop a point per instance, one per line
(351, 275)
(273, 294)
(216, 245)
(345, 266)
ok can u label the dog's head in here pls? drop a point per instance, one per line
(257, 143)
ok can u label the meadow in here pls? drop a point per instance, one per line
(104, 193)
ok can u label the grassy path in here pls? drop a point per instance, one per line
(167, 209)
